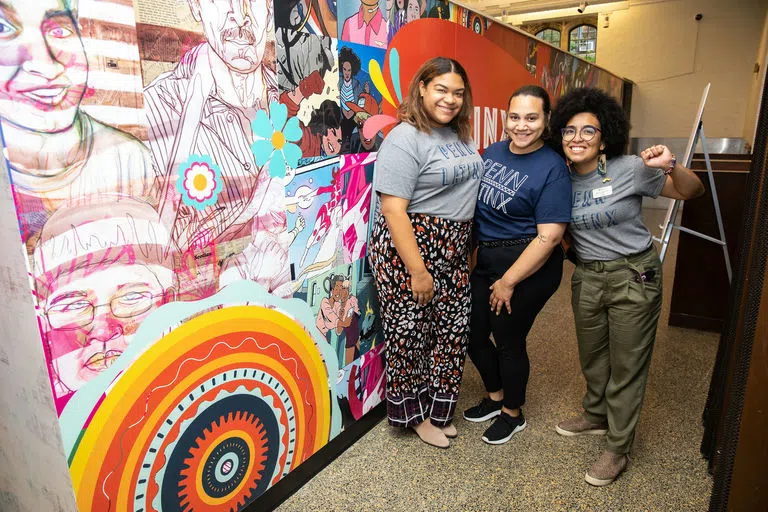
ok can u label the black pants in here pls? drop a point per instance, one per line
(505, 365)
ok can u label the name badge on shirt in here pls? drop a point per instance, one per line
(602, 192)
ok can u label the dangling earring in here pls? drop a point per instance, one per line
(601, 167)
(601, 164)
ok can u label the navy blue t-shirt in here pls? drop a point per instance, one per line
(520, 191)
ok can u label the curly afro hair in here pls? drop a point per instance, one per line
(614, 127)
(347, 54)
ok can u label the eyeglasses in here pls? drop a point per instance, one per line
(80, 312)
(587, 132)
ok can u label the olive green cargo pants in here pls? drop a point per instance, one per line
(616, 305)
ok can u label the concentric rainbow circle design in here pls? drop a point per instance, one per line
(207, 418)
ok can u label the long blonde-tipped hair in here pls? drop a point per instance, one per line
(412, 109)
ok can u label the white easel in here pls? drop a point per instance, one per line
(674, 207)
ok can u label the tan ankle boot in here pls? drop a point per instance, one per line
(606, 469)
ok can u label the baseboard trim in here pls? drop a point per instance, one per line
(703, 323)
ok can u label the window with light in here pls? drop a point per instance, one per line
(582, 41)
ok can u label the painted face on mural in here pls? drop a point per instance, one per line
(100, 269)
(442, 98)
(235, 29)
(43, 67)
(526, 122)
(586, 143)
(331, 141)
(339, 292)
(414, 11)
(360, 119)
(93, 314)
(346, 71)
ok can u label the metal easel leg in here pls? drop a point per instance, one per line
(668, 229)
(716, 202)
(674, 207)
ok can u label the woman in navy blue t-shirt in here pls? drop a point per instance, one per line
(522, 210)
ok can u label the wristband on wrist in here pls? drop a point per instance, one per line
(672, 165)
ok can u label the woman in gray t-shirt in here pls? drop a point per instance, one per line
(427, 176)
(616, 287)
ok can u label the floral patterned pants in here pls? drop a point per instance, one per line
(425, 345)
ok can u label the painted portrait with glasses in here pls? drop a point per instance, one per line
(99, 272)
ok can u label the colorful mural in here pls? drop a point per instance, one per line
(229, 399)
(192, 182)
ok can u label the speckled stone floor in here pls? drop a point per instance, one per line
(393, 470)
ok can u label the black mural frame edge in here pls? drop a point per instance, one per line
(294, 480)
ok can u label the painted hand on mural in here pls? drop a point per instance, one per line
(313, 84)
(309, 86)
(298, 228)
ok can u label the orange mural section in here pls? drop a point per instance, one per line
(206, 417)
(498, 61)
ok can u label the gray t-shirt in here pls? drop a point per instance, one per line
(606, 216)
(438, 173)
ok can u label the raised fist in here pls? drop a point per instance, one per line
(657, 156)
(313, 84)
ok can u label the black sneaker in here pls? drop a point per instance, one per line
(483, 411)
(504, 428)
